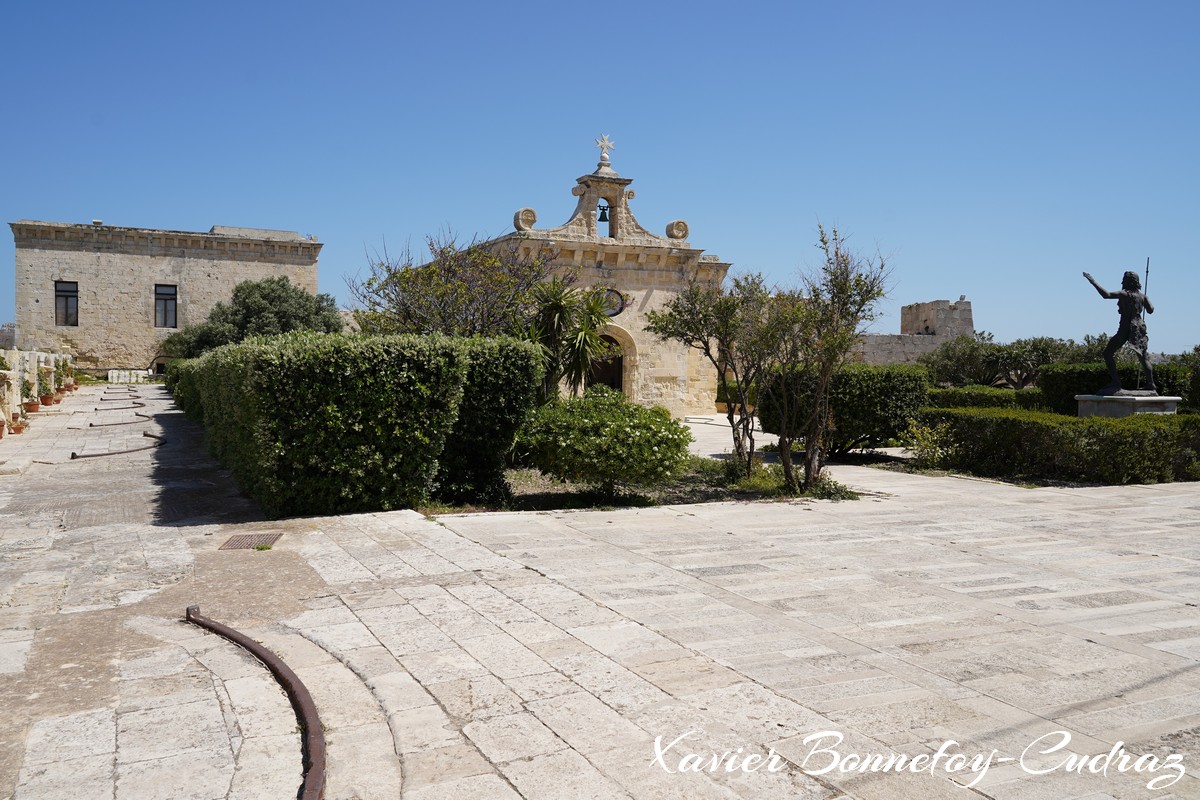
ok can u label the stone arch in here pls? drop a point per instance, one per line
(629, 359)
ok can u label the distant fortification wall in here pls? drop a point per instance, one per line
(923, 328)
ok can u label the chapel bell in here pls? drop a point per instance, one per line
(603, 213)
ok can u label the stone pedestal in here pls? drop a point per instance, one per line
(1098, 405)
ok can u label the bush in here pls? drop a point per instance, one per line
(964, 360)
(604, 440)
(500, 393)
(986, 397)
(727, 393)
(327, 423)
(871, 404)
(1013, 443)
(1061, 382)
(182, 383)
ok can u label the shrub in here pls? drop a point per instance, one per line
(727, 393)
(1061, 382)
(962, 361)
(870, 404)
(500, 393)
(327, 423)
(1013, 443)
(4, 363)
(604, 440)
(986, 397)
(181, 382)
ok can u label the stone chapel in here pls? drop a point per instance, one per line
(608, 247)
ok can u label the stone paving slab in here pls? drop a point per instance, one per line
(584, 654)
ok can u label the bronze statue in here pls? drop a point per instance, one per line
(1131, 303)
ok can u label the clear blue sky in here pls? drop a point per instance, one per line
(994, 150)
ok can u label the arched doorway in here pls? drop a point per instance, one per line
(609, 372)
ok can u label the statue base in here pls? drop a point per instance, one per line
(1125, 405)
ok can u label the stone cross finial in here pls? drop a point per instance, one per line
(605, 144)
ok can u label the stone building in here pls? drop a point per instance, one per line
(109, 295)
(924, 327)
(606, 246)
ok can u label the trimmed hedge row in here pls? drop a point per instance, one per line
(314, 424)
(1014, 443)
(986, 397)
(499, 396)
(870, 403)
(1061, 382)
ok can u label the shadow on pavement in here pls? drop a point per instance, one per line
(192, 488)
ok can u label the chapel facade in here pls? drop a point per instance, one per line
(604, 245)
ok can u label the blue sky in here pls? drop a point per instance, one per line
(995, 150)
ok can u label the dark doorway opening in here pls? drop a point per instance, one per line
(610, 371)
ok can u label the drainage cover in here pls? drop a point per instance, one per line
(249, 541)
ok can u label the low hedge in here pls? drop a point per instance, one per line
(1014, 444)
(870, 403)
(1061, 382)
(500, 394)
(986, 397)
(604, 440)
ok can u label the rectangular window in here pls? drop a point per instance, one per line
(164, 306)
(66, 303)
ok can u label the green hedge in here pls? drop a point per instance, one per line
(500, 394)
(181, 382)
(1013, 443)
(327, 423)
(986, 397)
(727, 393)
(871, 404)
(604, 440)
(1061, 382)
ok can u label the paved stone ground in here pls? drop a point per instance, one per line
(539, 655)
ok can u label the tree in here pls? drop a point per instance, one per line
(482, 290)
(818, 326)
(1018, 363)
(965, 360)
(257, 308)
(730, 328)
(568, 325)
(471, 290)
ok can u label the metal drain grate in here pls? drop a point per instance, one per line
(249, 541)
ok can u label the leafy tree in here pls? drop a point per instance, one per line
(965, 360)
(257, 308)
(731, 328)
(471, 290)
(479, 290)
(819, 325)
(1018, 363)
(1091, 351)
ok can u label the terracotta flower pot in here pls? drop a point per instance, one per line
(30, 406)
(47, 399)
(18, 428)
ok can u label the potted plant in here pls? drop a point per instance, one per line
(45, 393)
(18, 424)
(29, 402)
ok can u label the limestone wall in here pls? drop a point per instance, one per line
(117, 269)
(924, 327)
